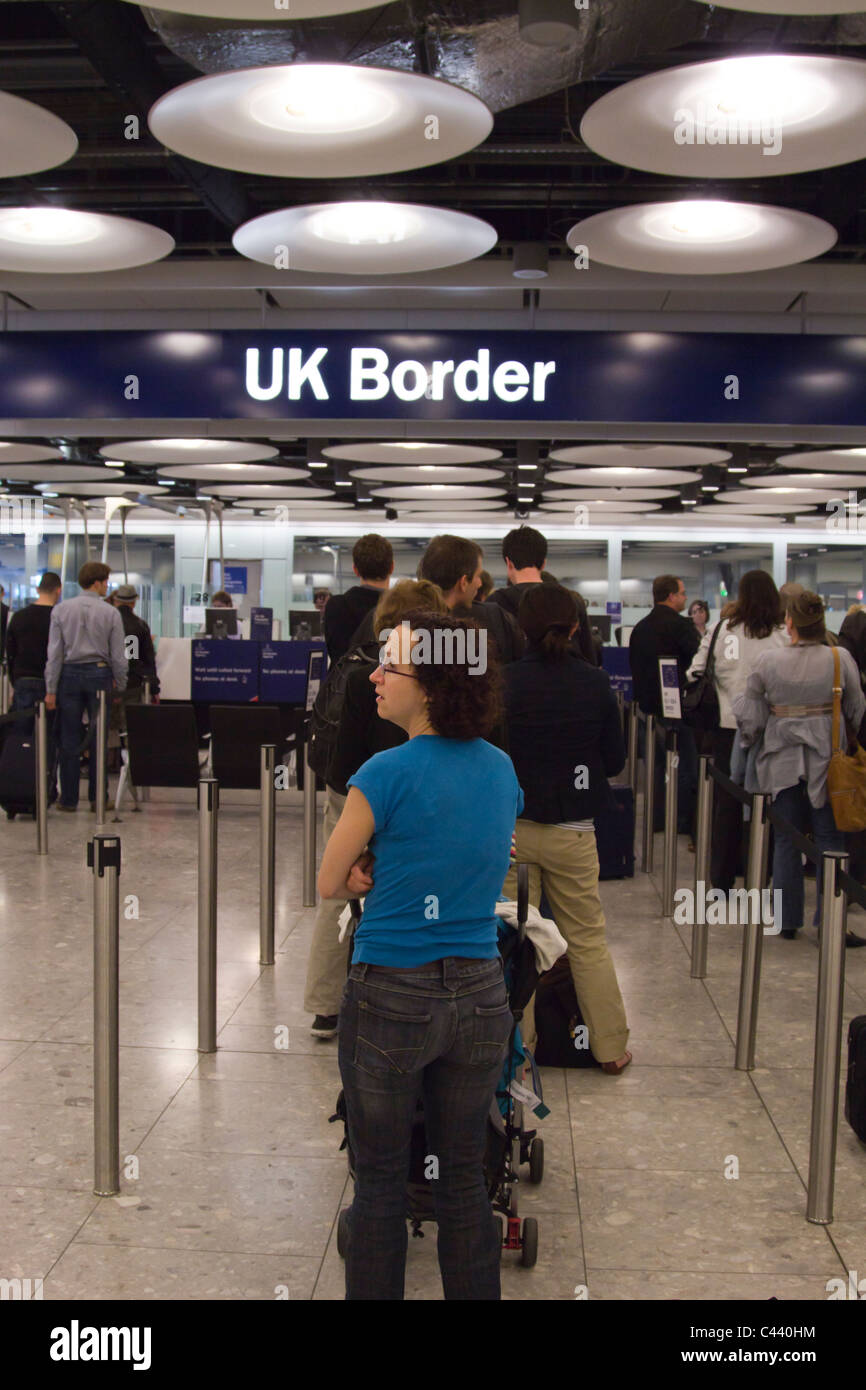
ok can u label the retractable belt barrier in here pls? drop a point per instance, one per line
(838, 885)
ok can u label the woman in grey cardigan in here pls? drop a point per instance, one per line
(788, 705)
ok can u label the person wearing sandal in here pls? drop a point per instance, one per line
(565, 739)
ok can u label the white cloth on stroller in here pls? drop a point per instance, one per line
(544, 934)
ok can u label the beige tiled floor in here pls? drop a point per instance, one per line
(240, 1178)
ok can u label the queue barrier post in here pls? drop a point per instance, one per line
(267, 852)
(309, 831)
(649, 764)
(41, 738)
(103, 856)
(669, 871)
(208, 809)
(101, 755)
(146, 699)
(700, 930)
(753, 935)
(632, 746)
(828, 1039)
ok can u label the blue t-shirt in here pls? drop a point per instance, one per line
(444, 811)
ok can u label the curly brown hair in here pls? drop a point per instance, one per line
(460, 704)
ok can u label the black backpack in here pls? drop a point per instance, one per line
(325, 715)
(557, 1020)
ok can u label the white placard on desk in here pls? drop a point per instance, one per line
(194, 613)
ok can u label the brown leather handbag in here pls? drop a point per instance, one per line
(846, 775)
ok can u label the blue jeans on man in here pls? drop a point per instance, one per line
(27, 693)
(793, 803)
(77, 691)
(439, 1033)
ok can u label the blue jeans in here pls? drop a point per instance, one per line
(28, 691)
(78, 691)
(793, 803)
(439, 1033)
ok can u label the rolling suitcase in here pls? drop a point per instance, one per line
(18, 771)
(855, 1087)
(614, 835)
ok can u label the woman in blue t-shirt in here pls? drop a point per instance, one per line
(425, 1013)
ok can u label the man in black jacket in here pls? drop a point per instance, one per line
(524, 551)
(373, 563)
(665, 633)
(455, 564)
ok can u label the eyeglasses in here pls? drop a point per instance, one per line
(388, 670)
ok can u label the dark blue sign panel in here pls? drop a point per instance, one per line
(714, 378)
(284, 671)
(225, 671)
(615, 661)
(261, 624)
(235, 579)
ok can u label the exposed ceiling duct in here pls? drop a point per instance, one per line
(476, 44)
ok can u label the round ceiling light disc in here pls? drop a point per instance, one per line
(609, 494)
(62, 241)
(60, 472)
(33, 138)
(255, 11)
(427, 473)
(757, 504)
(743, 117)
(437, 492)
(364, 238)
(293, 505)
(265, 490)
(621, 477)
(600, 509)
(823, 482)
(475, 504)
(319, 120)
(639, 456)
(806, 7)
(788, 497)
(414, 452)
(851, 460)
(237, 472)
(12, 452)
(112, 489)
(702, 236)
(157, 451)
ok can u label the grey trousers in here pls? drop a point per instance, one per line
(328, 961)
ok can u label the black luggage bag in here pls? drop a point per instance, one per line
(614, 835)
(18, 770)
(855, 1087)
(561, 1032)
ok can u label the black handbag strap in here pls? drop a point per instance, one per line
(710, 668)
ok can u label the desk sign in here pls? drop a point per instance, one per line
(669, 678)
(225, 671)
(614, 612)
(284, 671)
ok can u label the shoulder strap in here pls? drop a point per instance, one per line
(711, 660)
(837, 697)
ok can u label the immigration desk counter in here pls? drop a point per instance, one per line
(211, 671)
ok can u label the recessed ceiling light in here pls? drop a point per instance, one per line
(702, 237)
(751, 115)
(731, 469)
(358, 237)
(62, 241)
(33, 138)
(690, 502)
(317, 464)
(320, 120)
(709, 487)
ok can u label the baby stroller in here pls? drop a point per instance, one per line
(510, 1143)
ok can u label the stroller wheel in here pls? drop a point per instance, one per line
(529, 1242)
(536, 1161)
(342, 1232)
